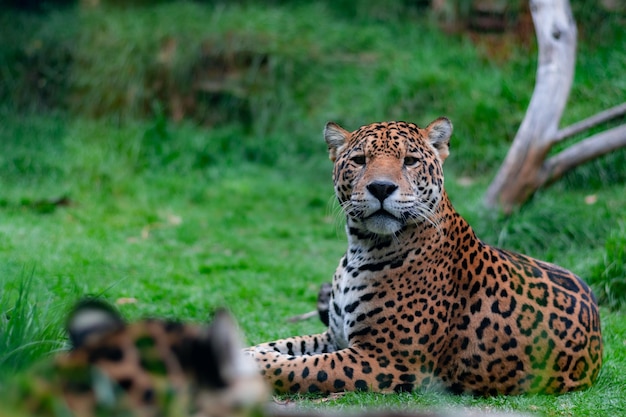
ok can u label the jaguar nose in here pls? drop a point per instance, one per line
(381, 189)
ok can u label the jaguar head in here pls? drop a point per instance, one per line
(388, 175)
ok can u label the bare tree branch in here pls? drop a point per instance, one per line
(526, 167)
(588, 123)
(581, 152)
(556, 33)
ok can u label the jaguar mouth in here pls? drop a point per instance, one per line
(382, 213)
(382, 222)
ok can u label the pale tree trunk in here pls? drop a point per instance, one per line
(525, 167)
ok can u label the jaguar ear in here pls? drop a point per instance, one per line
(92, 318)
(217, 356)
(227, 345)
(439, 133)
(336, 138)
(230, 380)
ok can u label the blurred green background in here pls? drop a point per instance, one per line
(168, 155)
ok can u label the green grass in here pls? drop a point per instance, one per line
(27, 330)
(127, 219)
(185, 217)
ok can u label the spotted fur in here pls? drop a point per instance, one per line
(418, 301)
(146, 368)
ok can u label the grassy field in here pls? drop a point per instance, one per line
(183, 218)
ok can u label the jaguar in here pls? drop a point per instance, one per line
(150, 367)
(418, 301)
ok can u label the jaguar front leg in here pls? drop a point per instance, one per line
(297, 345)
(350, 369)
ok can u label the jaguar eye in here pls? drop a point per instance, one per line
(410, 161)
(359, 159)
